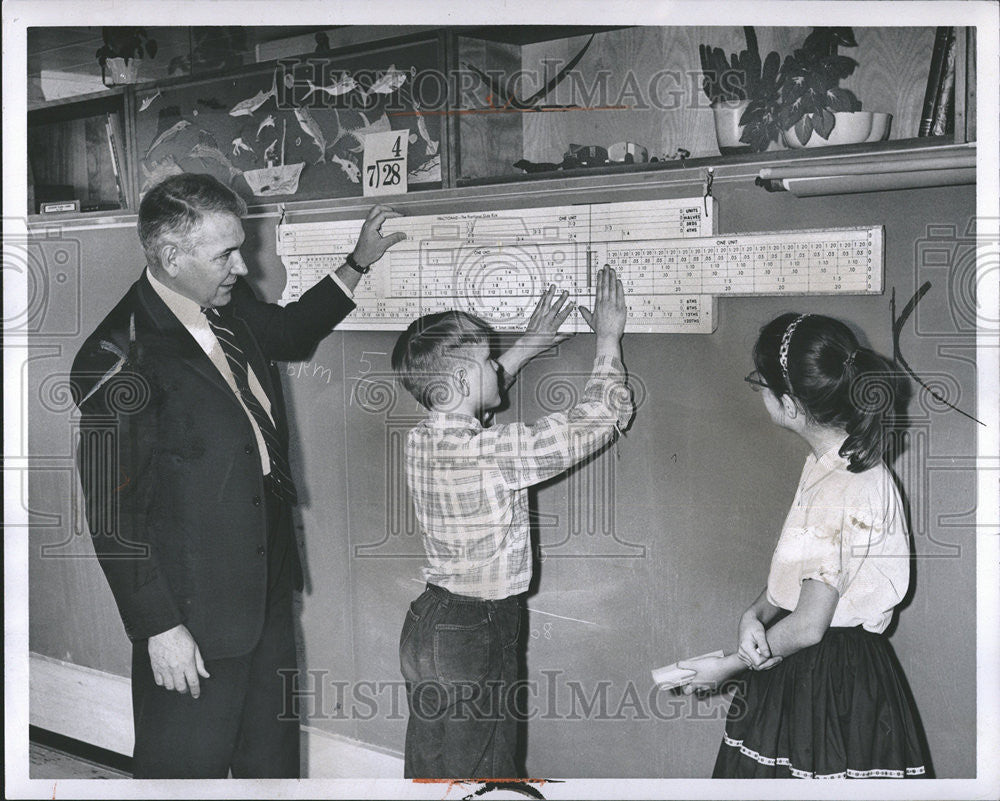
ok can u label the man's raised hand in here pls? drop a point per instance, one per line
(371, 244)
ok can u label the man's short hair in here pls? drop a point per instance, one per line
(177, 205)
(423, 353)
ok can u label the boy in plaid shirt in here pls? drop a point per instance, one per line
(459, 645)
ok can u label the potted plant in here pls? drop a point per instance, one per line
(733, 85)
(122, 53)
(812, 101)
(759, 126)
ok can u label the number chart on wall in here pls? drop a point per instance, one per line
(496, 264)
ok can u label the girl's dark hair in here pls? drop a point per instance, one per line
(836, 380)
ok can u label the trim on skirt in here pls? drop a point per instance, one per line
(874, 773)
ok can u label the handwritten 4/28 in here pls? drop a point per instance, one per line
(384, 172)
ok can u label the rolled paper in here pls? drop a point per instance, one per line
(671, 675)
(878, 182)
(871, 166)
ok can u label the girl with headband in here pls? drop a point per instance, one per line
(823, 695)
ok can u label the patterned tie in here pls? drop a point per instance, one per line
(281, 474)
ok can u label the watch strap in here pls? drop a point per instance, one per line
(350, 262)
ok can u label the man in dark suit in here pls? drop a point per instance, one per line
(184, 465)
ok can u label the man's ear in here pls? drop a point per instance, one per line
(168, 259)
(461, 382)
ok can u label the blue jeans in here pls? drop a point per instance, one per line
(459, 656)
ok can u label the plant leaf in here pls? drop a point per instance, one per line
(839, 66)
(823, 122)
(843, 37)
(703, 51)
(804, 129)
(769, 72)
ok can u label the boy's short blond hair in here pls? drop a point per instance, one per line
(423, 353)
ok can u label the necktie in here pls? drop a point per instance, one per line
(280, 472)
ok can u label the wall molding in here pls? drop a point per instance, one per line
(96, 708)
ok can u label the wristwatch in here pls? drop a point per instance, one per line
(350, 262)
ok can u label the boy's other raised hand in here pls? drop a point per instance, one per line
(541, 334)
(610, 310)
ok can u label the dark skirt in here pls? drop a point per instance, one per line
(838, 709)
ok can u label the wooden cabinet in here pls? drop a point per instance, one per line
(475, 101)
(78, 154)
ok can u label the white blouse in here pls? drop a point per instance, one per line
(847, 530)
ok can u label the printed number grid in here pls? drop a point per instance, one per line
(751, 265)
(497, 264)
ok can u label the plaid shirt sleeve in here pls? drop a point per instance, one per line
(527, 454)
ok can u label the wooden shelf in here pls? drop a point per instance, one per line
(723, 164)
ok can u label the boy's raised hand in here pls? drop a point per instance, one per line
(542, 332)
(610, 311)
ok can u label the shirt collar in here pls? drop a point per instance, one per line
(453, 420)
(185, 309)
(831, 458)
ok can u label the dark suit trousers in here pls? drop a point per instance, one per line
(242, 721)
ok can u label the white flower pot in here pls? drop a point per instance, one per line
(851, 128)
(728, 128)
(881, 125)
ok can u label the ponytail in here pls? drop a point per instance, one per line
(872, 409)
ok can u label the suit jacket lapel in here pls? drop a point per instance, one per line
(187, 349)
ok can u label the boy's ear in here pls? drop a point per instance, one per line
(461, 382)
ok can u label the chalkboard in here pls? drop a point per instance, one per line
(294, 130)
(700, 486)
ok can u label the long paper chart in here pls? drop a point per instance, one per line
(496, 264)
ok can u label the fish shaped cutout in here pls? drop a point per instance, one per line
(148, 101)
(250, 105)
(381, 125)
(429, 171)
(170, 133)
(206, 153)
(390, 81)
(312, 129)
(432, 146)
(351, 170)
(269, 152)
(342, 87)
(239, 146)
(267, 123)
